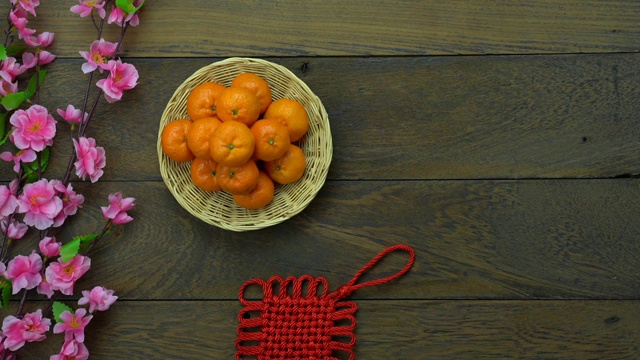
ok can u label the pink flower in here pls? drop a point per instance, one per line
(49, 247)
(62, 275)
(7, 87)
(15, 230)
(32, 327)
(98, 56)
(72, 115)
(45, 57)
(13, 186)
(42, 40)
(25, 272)
(98, 298)
(72, 350)
(25, 33)
(28, 5)
(40, 203)
(8, 201)
(70, 202)
(86, 6)
(30, 60)
(33, 128)
(26, 156)
(118, 16)
(91, 159)
(10, 69)
(45, 288)
(19, 18)
(121, 77)
(73, 324)
(117, 209)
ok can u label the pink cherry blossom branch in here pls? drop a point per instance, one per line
(83, 126)
(85, 121)
(25, 273)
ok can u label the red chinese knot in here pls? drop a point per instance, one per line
(294, 324)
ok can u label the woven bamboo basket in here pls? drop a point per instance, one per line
(218, 208)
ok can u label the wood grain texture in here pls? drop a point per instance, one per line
(474, 239)
(514, 176)
(410, 118)
(603, 330)
(192, 28)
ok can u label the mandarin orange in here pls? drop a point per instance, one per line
(199, 135)
(231, 143)
(203, 174)
(201, 101)
(238, 179)
(174, 140)
(257, 85)
(288, 168)
(272, 139)
(292, 114)
(239, 104)
(261, 195)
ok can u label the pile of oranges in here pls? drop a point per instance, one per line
(239, 140)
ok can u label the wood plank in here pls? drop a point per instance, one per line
(338, 28)
(386, 330)
(543, 239)
(443, 118)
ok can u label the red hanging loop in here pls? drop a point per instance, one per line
(351, 286)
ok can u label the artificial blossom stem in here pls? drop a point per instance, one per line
(95, 241)
(23, 301)
(7, 32)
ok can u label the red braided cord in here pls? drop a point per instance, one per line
(296, 326)
(351, 286)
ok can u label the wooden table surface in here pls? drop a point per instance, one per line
(499, 139)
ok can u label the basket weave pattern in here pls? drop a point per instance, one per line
(218, 208)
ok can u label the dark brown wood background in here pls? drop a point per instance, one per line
(500, 139)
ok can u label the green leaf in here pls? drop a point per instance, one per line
(15, 49)
(127, 6)
(72, 248)
(86, 240)
(13, 101)
(3, 52)
(31, 168)
(58, 309)
(6, 292)
(31, 178)
(3, 117)
(30, 171)
(33, 83)
(44, 158)
(69, 250)
(5, 138)
(3, 126)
